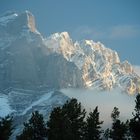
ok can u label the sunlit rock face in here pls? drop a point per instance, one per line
(30, 61)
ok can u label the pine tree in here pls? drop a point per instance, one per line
(115, 114)
(67, 123)
(58, 125)
(75, 115)
(34, 129)
(119, 130)
(6, 127)
(93, 127)
(106, 134)
(128, 133)
(135, 121)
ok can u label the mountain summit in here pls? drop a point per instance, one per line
(29, 61)
(18, 22)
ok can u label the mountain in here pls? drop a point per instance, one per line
(30, 61)
(21, 103)
(34, 68)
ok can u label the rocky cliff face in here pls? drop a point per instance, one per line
(29, 61)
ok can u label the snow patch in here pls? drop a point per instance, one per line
(6, 19)
(5, 108)
(42, 99)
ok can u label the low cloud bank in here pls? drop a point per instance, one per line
(105, 100)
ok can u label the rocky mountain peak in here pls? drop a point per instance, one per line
(61, 43)
(60, 36)
(27, 60)
(30, 21)
(16, 23)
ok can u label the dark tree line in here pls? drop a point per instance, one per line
(6, 127)
(70, 122)
(135, 121)
(119, 129)
(67, 123)
(34, 129)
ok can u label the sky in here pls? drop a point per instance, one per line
(115, 23)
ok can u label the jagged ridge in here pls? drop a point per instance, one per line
(27, 60)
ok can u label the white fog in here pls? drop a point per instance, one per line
(106, 101)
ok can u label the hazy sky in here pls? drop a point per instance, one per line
(116, 23)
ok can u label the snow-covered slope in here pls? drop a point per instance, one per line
(30, 61)
(5, 108)
(99, 67)
(21, 103)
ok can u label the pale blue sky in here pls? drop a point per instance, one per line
(116, 23)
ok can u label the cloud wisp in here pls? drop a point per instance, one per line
(124, 31)
(112, 33)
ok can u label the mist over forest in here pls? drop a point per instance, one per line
(105, 100)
